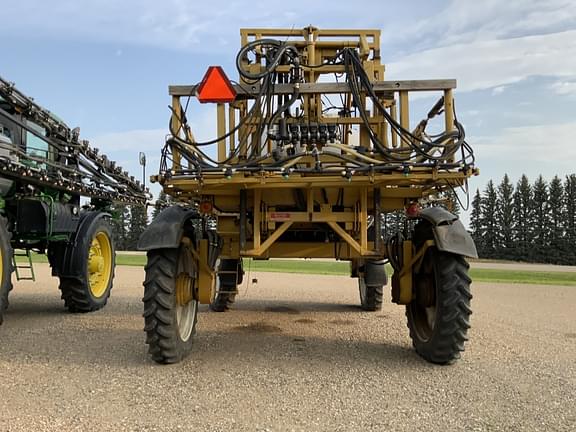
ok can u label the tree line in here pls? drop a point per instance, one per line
(532, 222)
(130, 221)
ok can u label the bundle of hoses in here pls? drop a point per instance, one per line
(416, 149)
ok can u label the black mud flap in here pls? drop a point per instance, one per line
(165, 232)
(61, 255)
(449, 233)
(375, 273)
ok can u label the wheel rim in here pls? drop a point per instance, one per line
(99, 264)
(186, 305)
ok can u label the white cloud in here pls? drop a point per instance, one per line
(498, 90)
(169, 24)
(487, 64)
(564, 87)
(550, 144)
(464, 21)
(173, 24)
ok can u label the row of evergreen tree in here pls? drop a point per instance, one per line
(129, 222)
(533, 222)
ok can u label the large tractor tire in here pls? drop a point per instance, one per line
(5, 267)
(230, 274)
(170, 310)
(95, 252)
(371, 281)
(439, 315)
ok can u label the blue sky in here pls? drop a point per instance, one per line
(105, 66)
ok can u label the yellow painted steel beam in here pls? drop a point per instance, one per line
(404, 114)
(394, 115)
(176, 125)
(258, 251)
(417, 258)
(257, 216)
(307, 250)
(405, 278)
(449, 113)
(350, 240)
(206, 276)
(221, 130)
(379, 87)
(315, 217)
(231, 126)
(363, 218)
(407, 186)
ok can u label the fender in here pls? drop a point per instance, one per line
(165, 232)
(375, 273)
(63, 260)
(449, 233)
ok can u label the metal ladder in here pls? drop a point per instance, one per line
(26, 266)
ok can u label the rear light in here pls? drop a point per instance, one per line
(205, 207)
(413, 210)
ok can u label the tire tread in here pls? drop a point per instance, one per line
(450, 333)
(164, 346)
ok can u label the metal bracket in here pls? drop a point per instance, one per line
(206, 276)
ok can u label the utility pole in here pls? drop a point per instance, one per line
(142, 157)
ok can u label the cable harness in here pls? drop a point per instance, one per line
(271, 118)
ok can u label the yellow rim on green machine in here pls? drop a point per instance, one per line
(99, 264)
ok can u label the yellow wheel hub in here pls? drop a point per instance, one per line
(99, 264)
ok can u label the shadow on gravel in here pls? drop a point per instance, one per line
(293, 307)
(38, 330)
(35, 308)
(256, 348)
(257, 345)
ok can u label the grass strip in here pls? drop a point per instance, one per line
(342, 268)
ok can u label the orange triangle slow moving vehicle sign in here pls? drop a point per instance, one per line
(215, 87)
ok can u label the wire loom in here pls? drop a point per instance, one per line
(417, 150)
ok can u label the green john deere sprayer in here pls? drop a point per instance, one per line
(45, 170)
(314, 150)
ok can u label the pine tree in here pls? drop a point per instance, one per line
(476, 223)
(569, 243)
(541, 220)
(557, 220)
(523, 218)
(138, 223)
(489, 221)
(120, 225)
(505, 218)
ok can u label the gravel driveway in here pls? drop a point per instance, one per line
(296, 353)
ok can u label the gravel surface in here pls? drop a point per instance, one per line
(296, 353)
